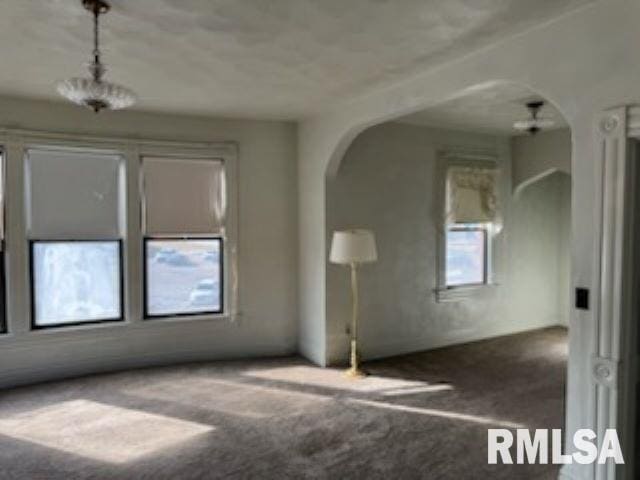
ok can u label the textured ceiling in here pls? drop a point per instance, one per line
(491, 109)
(254, 58)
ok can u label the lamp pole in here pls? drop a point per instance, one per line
(354, 371)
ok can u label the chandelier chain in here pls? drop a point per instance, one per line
(96, 32)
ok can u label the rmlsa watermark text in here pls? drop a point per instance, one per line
(536, 449)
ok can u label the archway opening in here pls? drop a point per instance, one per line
(481, 304)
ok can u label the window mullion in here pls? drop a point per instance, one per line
(132, 235)
(16, 252)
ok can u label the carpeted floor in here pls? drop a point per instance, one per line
(418, 416)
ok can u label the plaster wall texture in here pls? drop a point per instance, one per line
(539, 155)
(389, 181)
(267, 233)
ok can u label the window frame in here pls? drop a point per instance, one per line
(485, 253)
(227, 153)
(32, 290)
(15, 144)
(453, 156)
(145, 278)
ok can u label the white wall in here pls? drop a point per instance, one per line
(543, 161)
(389, 181)
(540, 258)
(267, 254)
(537, 155)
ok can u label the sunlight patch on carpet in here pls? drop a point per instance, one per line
(335, 379)
(438, 413)
(429, 388)
(100, 432)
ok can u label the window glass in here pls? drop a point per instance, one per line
(466, 256)
(76, 282)
(183, 276)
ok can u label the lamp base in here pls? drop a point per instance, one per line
(355, 373)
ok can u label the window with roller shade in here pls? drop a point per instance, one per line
(184, 236)
(74, 212)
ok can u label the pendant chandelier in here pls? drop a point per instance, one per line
(534, 123)
(94, 92)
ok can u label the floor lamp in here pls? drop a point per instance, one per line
(353, 247)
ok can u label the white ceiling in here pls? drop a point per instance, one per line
(492, 109)
(252, 58)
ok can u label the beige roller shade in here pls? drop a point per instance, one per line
(184, 196)
(73, 194)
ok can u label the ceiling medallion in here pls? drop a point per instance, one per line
(94, 92)
(535, 123)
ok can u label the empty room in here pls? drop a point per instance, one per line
(362, 239)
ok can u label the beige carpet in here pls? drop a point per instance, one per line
(418, 416)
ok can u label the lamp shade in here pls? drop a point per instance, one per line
(353, 246)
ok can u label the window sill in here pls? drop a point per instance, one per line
(195, 317)
(144, 323)
(457, 294)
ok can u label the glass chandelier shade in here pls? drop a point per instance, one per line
(96, 94)
(93, 91)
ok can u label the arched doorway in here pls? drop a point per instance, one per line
(391, 181)
(592, 376)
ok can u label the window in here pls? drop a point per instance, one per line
(75, 233)
(183, 276)
(471, 213)
(75, 282)
(466, 255)
(184, 219)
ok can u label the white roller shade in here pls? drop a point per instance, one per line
(73, 194)
(184, 196)
(471, 195)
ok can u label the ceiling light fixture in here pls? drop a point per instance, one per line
(94, 92)
(534, 124)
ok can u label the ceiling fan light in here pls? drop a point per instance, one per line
(533, 124)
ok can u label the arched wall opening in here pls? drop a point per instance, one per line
(390, 181)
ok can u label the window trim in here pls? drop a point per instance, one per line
(453, 156)
(485, 254)
(32, 302)
(145, 281)
(15, 142)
